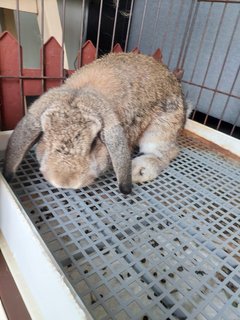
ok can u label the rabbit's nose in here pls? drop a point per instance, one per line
(44, 173)
(69, 180)
(57, 180)
(48, 177)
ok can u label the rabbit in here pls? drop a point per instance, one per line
(97, 117)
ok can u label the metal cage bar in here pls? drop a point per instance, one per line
(63, 37)
(185, 33)
(223, 65)
(230, 94)
(156, 23)
(174, 36)
(142, 23)
(220, 1)
(200, 48)
(203, 86)
(129, 25)
(81, 35)
(99, 26)
(173, 20)
(19, 55)
(169, 14)
(114, 24)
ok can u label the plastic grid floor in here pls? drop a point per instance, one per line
(169, 251)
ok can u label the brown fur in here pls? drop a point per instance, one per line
(136, 86)
(101, 113)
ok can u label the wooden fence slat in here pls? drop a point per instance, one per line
(11, 102)
(12, 109)
(88, 54)
(117, 48)
(52, 52)
(32, 87)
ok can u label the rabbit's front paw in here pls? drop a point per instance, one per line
(144, 169)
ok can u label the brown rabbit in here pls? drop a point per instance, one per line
(97, 116)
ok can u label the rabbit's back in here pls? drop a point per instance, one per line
(128, 78)
(137, 87)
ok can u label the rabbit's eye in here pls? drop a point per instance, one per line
(63, 150)
(77, 137)
(93, 145)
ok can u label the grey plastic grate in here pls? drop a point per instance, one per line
(169, 251)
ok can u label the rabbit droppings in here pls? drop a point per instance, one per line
(97, 117)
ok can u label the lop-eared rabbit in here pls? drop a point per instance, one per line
(97, 117)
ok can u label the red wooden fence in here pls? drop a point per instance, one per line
(12, 108)
(17, 82)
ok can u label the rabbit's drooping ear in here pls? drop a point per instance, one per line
(117, 145)
(25, 135)
(28, 130)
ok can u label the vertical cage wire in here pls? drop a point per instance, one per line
(114, 24)
(99, 27)
(211, 55)
(20, 56)
(189, 36)
(235, 123)
(185, 33)
(222, 67)
(203, 85)
(228, 98)
(200, 48)
(42, 43)
(142, 23)
(129, 25)
(169, 40)
(81, 34)
(169, 14)
(156, 23)
(63, 38)
(175, 34)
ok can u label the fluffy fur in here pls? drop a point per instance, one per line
(97, 117)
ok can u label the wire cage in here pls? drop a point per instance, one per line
(171, 249)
